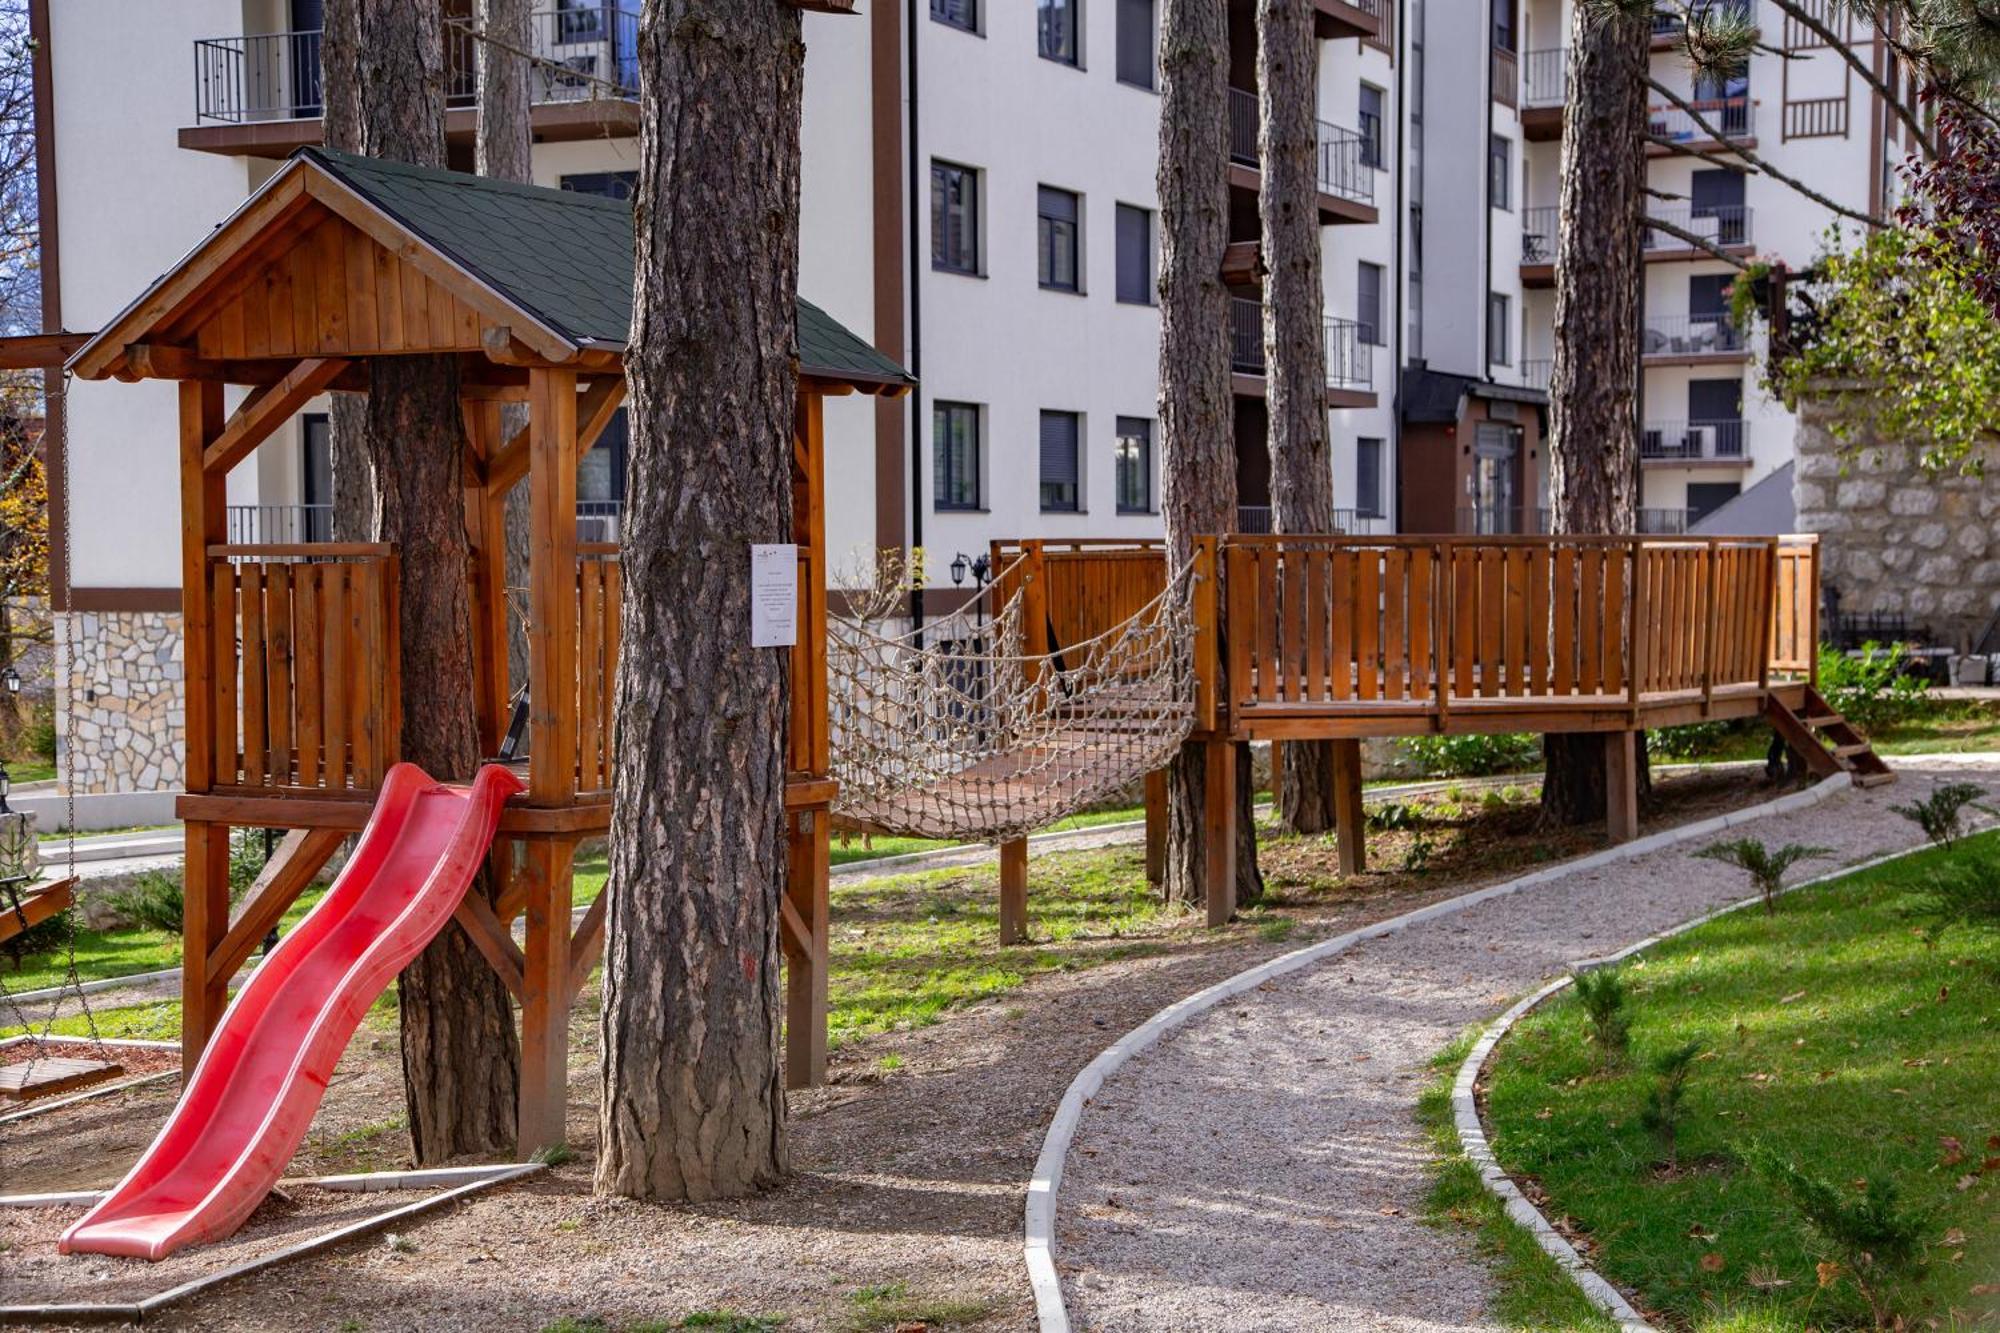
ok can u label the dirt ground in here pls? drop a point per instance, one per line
(906, 1202)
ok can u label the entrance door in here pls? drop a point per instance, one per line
(1496, 471)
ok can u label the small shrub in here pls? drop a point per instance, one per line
(1417, 858)
(1694, 741)
(1602, 994)
(154, 902)
(1765, 866)
(1875, 688)
(1941, 815)
(1872, 1235)
(1473, 756)
(1666, 1100)
(556, 1154)
(1965, 891)
(38, 738)
(1395, 815)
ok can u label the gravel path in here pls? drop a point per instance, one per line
(1261, 1168)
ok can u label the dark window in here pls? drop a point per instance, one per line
(1705, 497)
(1500, 173)
(1368, 477)
(316, 523)
(1135, 255)
(956, 13)
(1058, 263)
(1060, 491)
(1708, 296)
(1368, 302)
(579, 21)
(600, 483)
(1371, 127)
(1498, 321)
(1135, 465)
(955, 446)
(1135, 42)
(608, 184)
(1715, 400)
(1056, 30)
(1718, 194)
(954, 218)
(1503, 26)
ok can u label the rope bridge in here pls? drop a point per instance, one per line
(957, 731)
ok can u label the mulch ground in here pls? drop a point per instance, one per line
(911, 1180)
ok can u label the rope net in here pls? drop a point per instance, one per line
(956, 731)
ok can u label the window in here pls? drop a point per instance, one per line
(1368, 478)
(316, 516)
(962, 14)
(1500, 173)
(1061, 493)
(1056, 30)
(955, 449)
(1058, 262)
(607, 184)
(1135, 42)
(1503, 26)
(1368, 302)
(1371, 127)
(579, 21)
(954, 218)
(1135, 465)
(1497, 320)
(1135, 255)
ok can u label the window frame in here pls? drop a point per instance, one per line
(971, 211)
(1500, 172)
(1150, 264)
(1152, 81)
(971, 23)
(1042, 483)
(1499, 350)
(1374, 149)
(976, 416)
(1045, 232)
(1367, 506)
(1371, 331)
(1075, 11)
(1119, 465)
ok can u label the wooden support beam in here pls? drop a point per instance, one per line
(1156, 826)
(204, 521)
(269, 408)
(1349, 820)
(204, 923)
(1013, 891)
(587, 945)
(552, 590)
(545, 992)
(808, 862)
(507, 464)
(489, 934)
(302, 854)
(1621, 784)
(1219, 797)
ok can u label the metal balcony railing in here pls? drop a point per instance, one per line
(1690, 335)
(1545, 78)
(1350, 358)
(1538, 235)
(1346, 158)
(1255, 520)
(582, 52)
(267, 525)
(1535, 372)
(1730, 116)
(1694, 441)
(1502, 521)
(1665, 522)
(1720, 224)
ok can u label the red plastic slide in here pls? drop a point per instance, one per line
(257, 1086)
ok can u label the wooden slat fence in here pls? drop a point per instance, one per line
(306, 677)
(599, 588)
(1795, 624)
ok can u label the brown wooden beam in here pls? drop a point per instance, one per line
(506, 465)
(490, 936)
(1013, 890)
(545, 992)
(1350, 822)
(586, 946)
(267, 409)
(807, 864)
(302, 854)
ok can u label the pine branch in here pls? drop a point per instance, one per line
(1750, 156)
(1698, 242)
(1819, 29)
(1712, 158)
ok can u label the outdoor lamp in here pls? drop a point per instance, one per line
(982, 569)
(958, 567)
(6, 785)
(11, 680)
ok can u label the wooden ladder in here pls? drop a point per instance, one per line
(1826, 741)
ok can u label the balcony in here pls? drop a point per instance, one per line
(1350, 359)
(1535, 372)
(1726, 226)
(1334, 19)
(1695, 443)
(259, 94)
(1691, 340)
(1669, 20)
(280, 524)
(1255, 520)
(1504, 76)
(1538, 247)
(1544, 88)
(1346, 168)
(1666, 522)
(1728, 116)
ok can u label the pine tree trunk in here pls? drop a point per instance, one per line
(504, 150)
(1593, 385)
(342, 95)
(461, 1066)
(1295, 335)
(1197, 452)
(691, 1102)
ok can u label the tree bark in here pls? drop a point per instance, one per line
(1294, 335)
(342, 96)
(1197, 452)
(1593, 384)
(691, 1102)
(504, 149)
(461, 1066)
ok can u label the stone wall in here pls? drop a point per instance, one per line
(1894, 538)
(126, 690)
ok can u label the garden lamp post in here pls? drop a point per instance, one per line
(10, 680)
(6, 785)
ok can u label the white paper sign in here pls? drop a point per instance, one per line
(774, 596)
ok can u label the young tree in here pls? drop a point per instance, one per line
(1197, 450)
(384, 81)
(1295, 333)
(692, 1107)
(24, 535)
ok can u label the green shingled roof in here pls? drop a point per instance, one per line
(563, 257)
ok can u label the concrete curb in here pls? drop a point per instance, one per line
(1039, 1248)
(1471, 1130)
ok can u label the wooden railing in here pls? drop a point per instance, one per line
(1795, 622)
(1077, 590)
(599, 587)
(307, 688)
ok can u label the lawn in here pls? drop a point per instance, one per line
(1831, 1036)
(30, 770)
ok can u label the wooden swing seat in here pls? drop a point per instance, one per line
(38, 903)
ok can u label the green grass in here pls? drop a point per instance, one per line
(1831, 1034)
(892, 1305)
(30, 770)
(124, 952)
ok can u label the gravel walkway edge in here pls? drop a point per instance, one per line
(1471, 1129)
(1039, 1248)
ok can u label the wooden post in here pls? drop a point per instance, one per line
(808, 862)
(204, 522)
(1013, 890)
(1277, 769)
(1349, 822)
(552, 715)
(1156, 826)
(204, 924)
(545, 992)
(486, 525)
(1219, 795)
(1621, 784)
(1210, 703)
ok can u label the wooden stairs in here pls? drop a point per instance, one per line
(1827, 742)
